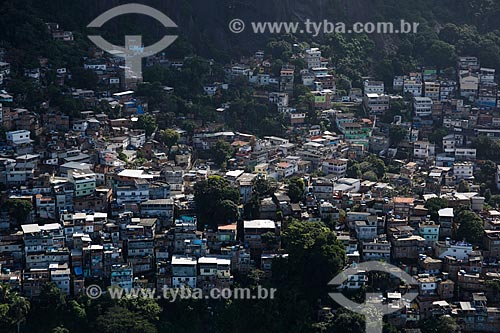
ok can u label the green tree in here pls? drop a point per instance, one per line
(60, 329)
(434, 205)
(441, 54)
(370, 175)
(314, 250)
(13, 309)
(18, 209)
(221, 152)
(146, 307)
(450, 33)
(208, 195)
(263, 186)
(279, 49)
(486, 175)
(169, 138)
(353, 169)
(348, 322)
(443, 324)
(396, 109)
(123, 157)
(121, 320)
(487, 149)
(296, 189)
(270, 240)
(84, 78)
(463, 186)
(495, 200)
(77, 311)
(252, 208)
(397, 134)
(227, 212)
(374, 164)
(470, 227)
(487, 195)
(188, 126)
(52, 298)
(437, 136)
(147, 123)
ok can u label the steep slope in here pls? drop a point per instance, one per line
(204, 21)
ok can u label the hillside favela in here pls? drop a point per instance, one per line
(230, 166)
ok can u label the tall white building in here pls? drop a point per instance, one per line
(373, 87)
(313, 58)
(62, 279)
(422, 106)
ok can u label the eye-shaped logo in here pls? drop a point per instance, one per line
(134, 51)
(373, 308)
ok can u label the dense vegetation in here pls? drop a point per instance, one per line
(448, 28)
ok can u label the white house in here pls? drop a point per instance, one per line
(427, 285)
(210, 89)
(355, 281)
(337, 167)
(313, 57)
(96, 66)
(18, 137)
(422, 106)
(457, 250)
(469, 85)
(423, 150)
(413, 87)
(376, 103)
(377, 249)
(373, 87)
(286, 169)
(162, 208)
(62, 279)
(80, 126)
(432, 90)
(184, 272)
(465, 154)
(463, 170)
(449, 143)
(365, 230)
(486, 75)
(279, 98)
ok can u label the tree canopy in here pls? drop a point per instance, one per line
(13, 308)
(221, 152)
(147, 123)
(121, 320)
(434, 205)
(296, 189)
(470, 227)
(210, 195)
(397, 134)
(169, 138)
(18, 209)
(314, 250)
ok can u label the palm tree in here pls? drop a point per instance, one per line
(19, 307)
(60, 329)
